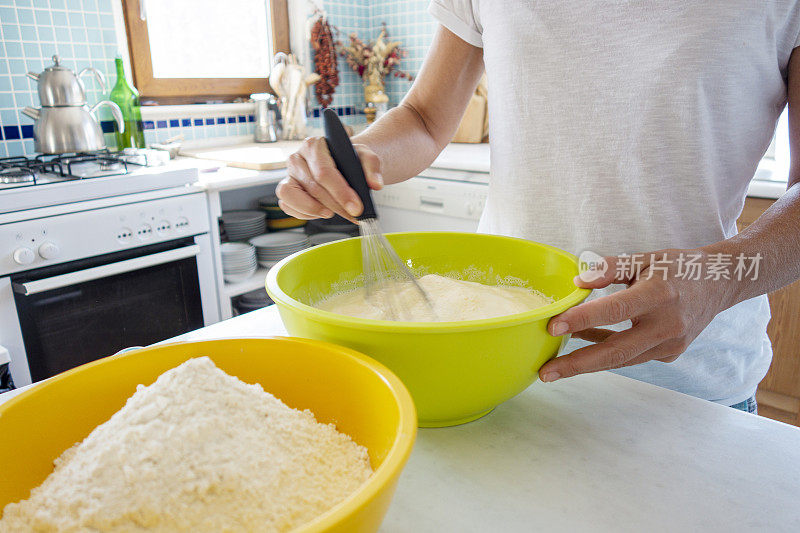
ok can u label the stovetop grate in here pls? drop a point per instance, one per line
(61, 165)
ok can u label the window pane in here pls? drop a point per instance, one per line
(209, 38)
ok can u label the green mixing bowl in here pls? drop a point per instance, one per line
(456, 371)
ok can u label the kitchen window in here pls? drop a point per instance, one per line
(196, 51)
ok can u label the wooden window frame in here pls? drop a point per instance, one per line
(194, 90)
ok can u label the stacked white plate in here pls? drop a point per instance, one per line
(326, 236)
(241, 225)
(238, 261)
(272, 247)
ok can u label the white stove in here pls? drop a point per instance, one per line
(41, 181)
(99, 252)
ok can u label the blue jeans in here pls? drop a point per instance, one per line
(748, 406)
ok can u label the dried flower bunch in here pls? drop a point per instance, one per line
(379, 58)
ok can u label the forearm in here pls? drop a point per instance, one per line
(775, 239)
(402, 142)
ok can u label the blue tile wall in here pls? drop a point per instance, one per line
(81, 32)
(407, 21)
(349, 16)
(195, 128)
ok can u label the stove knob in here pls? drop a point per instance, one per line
(24, 256)
(49, 250)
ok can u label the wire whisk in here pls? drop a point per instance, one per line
(385, 273)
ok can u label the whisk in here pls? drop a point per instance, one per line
(383, 268)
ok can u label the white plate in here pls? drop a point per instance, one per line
(238, 263)
(280, 250)
(243, 234)
(239, 254)
(248, 224)
(234, 247)
(278, 240)
(245, 227)
(240, 268)
(238, 278)
(242, 216)
(249, 232)
(246, 231)
(243, 252)
(262, 251)
(238, 260)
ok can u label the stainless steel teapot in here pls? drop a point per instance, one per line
(69, 129)
(59, 86)
(65, 123)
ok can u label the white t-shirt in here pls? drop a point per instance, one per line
(629, 127)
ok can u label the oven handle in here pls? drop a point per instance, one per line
(104, 271)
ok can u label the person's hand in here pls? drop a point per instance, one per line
(314, 188)
(667, 308)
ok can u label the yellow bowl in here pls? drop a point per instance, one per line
(360, 396)
(456, 371)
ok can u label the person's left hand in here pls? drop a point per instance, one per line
(667, 312)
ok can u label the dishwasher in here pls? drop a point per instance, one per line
(445, 197)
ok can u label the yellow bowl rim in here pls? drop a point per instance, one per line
(280, 297)
(393, 462)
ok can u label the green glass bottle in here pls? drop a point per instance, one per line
(127, 98)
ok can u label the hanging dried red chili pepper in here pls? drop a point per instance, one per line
(324, 61)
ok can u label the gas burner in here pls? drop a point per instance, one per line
(110, 165)
(46, 169)
(89, 165)
(17, 175)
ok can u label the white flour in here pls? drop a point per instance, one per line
(198, 450)
(453, 300)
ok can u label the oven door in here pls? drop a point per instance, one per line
(81, 311)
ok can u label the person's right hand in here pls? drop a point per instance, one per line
(314, 188)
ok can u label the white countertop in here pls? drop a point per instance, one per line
(598, 452)
(215, 176)
(464, 156)
(766, 189)
(593, 453)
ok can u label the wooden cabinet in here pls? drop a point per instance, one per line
(779, 394)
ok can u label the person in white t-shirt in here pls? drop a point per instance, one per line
(626, 129)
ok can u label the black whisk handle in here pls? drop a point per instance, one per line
(347, 161)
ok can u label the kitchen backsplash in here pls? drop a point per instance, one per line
(32, 31)
(82, 33)
(407, 21)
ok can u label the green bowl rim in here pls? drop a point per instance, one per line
(280, 297)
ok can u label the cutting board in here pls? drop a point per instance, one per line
(252, 156)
